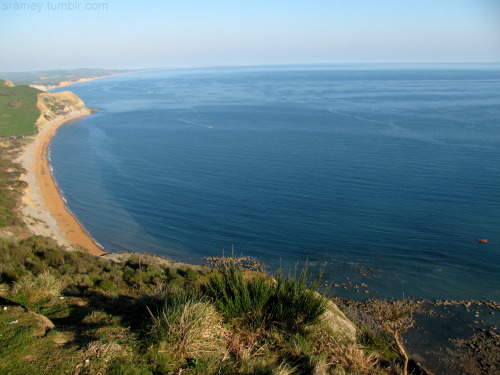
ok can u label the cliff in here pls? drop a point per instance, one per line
(60, 105)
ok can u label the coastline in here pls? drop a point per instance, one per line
(43, 205)
(81, 80)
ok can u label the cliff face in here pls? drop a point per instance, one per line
(58, 106)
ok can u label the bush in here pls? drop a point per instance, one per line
(107, 286)
(288, 302)
(188, 273)
(236, 297)
(293, 303)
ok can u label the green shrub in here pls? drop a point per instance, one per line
(294, 303)
(107, 286)
(168, 301)
(377, 343)
(288, 302)
(52, 257)
(128, 274)
(236, 297)
(36, 268)
(188, 273)
(67, 269)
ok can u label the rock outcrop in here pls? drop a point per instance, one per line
(7, 83)
(58, 106)
(335, 321)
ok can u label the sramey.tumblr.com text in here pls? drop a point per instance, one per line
(53, 6)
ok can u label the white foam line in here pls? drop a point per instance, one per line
(400, 130)
(196, 123)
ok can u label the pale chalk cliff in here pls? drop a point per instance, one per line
(59, 106)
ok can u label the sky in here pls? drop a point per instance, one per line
(123, 34)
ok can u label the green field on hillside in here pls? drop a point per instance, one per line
(54, 77)
(18, 110)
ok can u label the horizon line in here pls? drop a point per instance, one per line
(138, 70)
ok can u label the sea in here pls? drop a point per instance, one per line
(381, 176)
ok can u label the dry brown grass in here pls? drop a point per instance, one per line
(340, 356)
(96, 358)
(195, 331)
(284, 369)
(355, 360)
(37, 288)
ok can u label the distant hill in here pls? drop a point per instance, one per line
(55, 77)
(18, 109)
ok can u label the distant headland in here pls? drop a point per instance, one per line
(52, 79)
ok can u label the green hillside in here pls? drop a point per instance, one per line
(54, 77)
(18, 110)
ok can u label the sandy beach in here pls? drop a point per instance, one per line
(43, 207)
(69, 83)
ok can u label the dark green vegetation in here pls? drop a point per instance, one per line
(71, 313)
(18, 110)
(288, 302)
(10, 186)
(54, 77)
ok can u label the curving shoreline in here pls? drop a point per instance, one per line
(43, 207)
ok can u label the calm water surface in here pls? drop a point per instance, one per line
(392, 168)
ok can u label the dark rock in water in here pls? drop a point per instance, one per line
(243, 262)
(480, 354)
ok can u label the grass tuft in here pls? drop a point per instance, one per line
(237, 297)
(189, 327)
(294, 303)
(288, 302)
(34, 289)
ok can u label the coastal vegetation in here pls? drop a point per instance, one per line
(70, 312)
(396, 318)
(18, 110)
(11, 187)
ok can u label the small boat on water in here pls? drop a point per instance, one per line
(483, 240)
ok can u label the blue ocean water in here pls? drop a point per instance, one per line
(390, 171)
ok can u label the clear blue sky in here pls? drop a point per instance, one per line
(132, 34)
